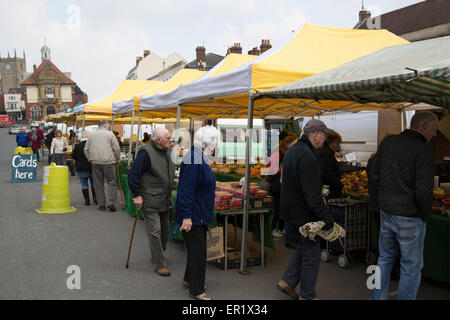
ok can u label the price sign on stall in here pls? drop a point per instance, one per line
(24, 168)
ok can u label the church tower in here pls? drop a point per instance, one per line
(45, 53)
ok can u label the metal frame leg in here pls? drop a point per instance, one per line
(261, 224)
(226, 242)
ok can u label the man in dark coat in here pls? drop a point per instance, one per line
(403, 172)
(302, 202)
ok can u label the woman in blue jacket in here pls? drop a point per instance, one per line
(195, 207)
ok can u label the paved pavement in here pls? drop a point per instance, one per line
(36, 251)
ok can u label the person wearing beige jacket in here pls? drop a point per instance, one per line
(103, 151)
(58, 149)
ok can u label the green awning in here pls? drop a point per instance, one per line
(415, 72)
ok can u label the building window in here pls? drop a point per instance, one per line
(35, 112)
(64, 109)
(51, 110)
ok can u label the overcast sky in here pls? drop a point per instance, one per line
(98, 40)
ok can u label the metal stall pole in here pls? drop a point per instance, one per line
(84, 121)
(178, 117)
(138, 135)
(249, 137)
(131, 138)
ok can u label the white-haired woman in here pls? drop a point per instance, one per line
(84, 169)
(195, 207)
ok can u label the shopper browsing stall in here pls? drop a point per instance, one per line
(195, 207)
(404, 175)
(302, 202)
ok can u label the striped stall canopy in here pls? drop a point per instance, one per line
(415, 72)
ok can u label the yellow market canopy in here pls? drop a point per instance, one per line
(313, 49)
(94, 119)
(126, 89)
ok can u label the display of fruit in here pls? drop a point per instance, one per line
(356, 184)
(223, 195)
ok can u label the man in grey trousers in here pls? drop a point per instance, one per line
(151, 181)
(103, 151)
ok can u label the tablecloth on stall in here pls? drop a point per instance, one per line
(436, 253)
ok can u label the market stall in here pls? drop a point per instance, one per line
(230, 95)
(400, 76)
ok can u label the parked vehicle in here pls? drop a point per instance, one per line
(14, 129)
(6, 121)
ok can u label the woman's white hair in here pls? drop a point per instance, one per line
(205, 137)
(85, 135)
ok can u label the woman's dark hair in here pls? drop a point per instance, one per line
(333, 136)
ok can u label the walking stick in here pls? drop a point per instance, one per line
(132, 236)
(120, 186)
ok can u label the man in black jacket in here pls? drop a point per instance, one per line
(403, 172)
(302, 202)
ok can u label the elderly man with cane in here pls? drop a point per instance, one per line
(151, 179)
(103, 151)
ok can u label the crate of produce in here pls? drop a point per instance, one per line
(256, 203)
(236, 203)
(223, 195)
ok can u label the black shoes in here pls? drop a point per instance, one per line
(112, 208)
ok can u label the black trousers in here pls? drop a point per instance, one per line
(195, 241)
(276, 197)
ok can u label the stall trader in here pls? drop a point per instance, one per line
(329, 166)
(151, 180)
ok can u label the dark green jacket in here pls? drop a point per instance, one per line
(157, 183)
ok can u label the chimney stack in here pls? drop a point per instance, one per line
(34, 68)
(146, 53)
(201, 57)
(265, 45)
(236, 48)
(138, 59)
(254, 52)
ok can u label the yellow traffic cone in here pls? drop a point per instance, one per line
(55, 191)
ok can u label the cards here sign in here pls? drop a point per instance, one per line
(24, 168)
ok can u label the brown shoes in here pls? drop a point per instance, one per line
(101, 208)
(287, 289)
(202, 296)
(164, 272)
(112, 208)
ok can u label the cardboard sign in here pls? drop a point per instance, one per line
(24, 168)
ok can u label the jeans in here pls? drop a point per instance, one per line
(304, 266)
(85, 177)
(195, 272)
(158, 229)
(59, 159)
(102, 173)
(407, 235)
(36, 152)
